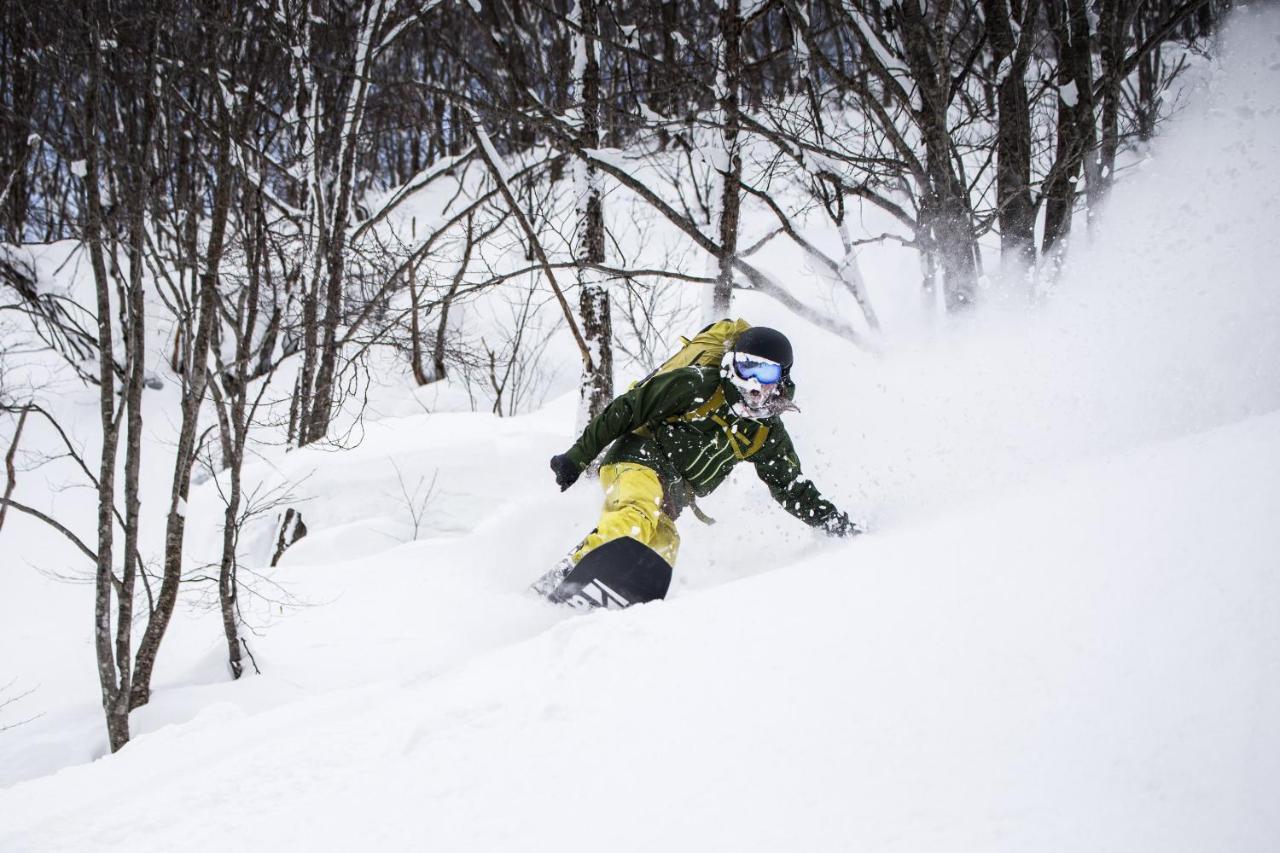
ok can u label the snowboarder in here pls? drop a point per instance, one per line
(677, 433)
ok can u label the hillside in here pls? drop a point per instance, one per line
(1091, 663)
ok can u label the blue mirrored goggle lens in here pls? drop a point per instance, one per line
(765, 372)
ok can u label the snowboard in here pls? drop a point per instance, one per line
(615, 575)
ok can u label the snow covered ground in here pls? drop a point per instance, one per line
(1090, 664)
(1062, 634)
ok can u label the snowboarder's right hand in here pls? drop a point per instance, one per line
(841, 527)
(567, 471)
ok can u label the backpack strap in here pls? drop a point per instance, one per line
(715, 401)
(736, 440)
(742, 448)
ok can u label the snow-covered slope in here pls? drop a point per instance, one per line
(1062, 634)
(1090, 665)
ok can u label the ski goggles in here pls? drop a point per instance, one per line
(763, 371)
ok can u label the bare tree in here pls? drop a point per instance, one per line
(197, 310)
(593, 296)
(117, 144)
(728, 156)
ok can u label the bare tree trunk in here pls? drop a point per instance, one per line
(1086, 122)
(235, 417)
(945, 208)
(333, 243)
(114, 659)
(15, 140)
(11, 477)
(593, 297)
(195, 378)
(231, 427)
(117, 724)
(118, 145)
(1113, 32)
(228, 587)
(442, 327)
(1010, 53)
(1147, 107)
(1060, 187)
(135, 350)
(730, 167)
(415, 329)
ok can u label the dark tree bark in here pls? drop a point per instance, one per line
(593, 296)
(194, 379)
(420, 375)
(236, 403)
(1076, 144)
(945, 207)
(438, 348)
(117, 723)
(16, 125)
(11, 476)
(1082, 43)
(1010, 54)
(731, 165)
(1147, 105)
(120, 151)
(334, 242)
(1114, 25)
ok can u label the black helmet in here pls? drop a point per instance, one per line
(763, 342)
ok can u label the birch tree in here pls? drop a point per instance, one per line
(593, 293)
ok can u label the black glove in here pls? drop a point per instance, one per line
(840, 525)
(567, 471)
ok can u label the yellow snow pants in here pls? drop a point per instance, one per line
(632, 507)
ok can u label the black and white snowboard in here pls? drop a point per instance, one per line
(615, 575)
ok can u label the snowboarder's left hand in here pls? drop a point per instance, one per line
(567, 471)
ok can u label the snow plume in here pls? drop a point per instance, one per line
(1164, 323)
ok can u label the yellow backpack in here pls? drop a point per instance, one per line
(705, 349)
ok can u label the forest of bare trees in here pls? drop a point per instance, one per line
(236, 179)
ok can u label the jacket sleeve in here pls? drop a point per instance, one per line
(779, 467)
(662, 396)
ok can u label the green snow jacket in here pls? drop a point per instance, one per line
(681, 425)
